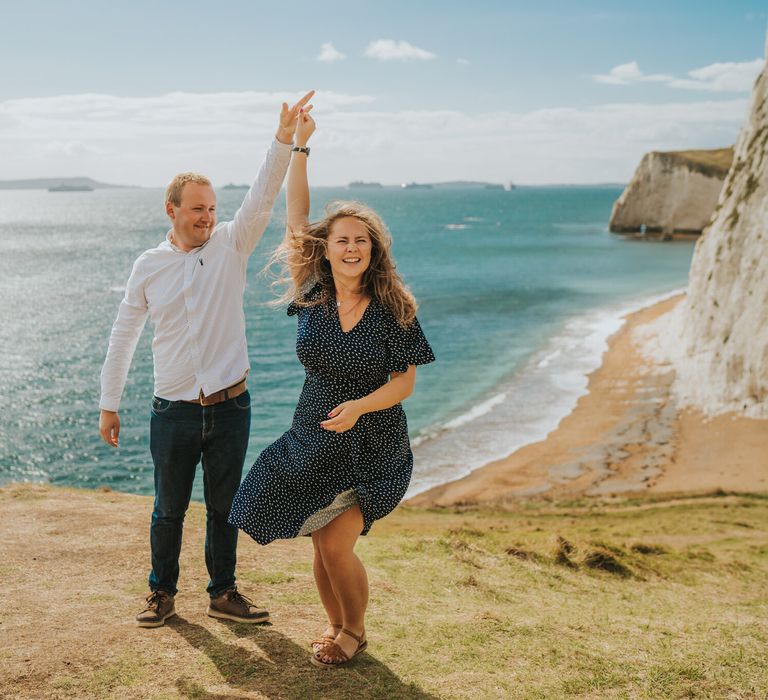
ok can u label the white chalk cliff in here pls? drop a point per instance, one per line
(673, 191)
(717, 339)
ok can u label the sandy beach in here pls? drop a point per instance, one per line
(625, 436)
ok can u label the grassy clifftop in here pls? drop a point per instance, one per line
(621, 598)
(714, 162)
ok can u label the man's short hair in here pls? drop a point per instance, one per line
(173, 191)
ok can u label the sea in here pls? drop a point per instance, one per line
(518, 292)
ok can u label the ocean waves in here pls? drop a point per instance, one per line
(526, 405)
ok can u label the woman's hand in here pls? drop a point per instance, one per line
(343, 417)
(305, 126)
(289, 117)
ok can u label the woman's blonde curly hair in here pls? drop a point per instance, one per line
(302, 258)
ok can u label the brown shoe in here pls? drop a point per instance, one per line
(160, 606)
(232, 605)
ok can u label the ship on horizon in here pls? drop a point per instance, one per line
(360, 184)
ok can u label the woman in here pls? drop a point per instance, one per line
(346, 460)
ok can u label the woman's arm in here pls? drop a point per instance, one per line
(297, 188)
(397, 389)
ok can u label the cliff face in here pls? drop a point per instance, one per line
(671, 192)
(718, 339)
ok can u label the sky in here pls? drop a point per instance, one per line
(426, 91)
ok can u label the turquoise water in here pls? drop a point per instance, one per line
(517, 290)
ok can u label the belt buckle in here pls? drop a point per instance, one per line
(204, 399)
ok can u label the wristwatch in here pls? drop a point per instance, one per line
(301, 149)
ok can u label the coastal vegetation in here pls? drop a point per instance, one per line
(713, 162)
(653, 597)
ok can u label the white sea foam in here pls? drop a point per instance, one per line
(475, 412)
(526, 405)
(552, 356)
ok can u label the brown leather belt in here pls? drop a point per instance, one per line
(219, 396)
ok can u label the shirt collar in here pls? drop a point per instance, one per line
(176, 249)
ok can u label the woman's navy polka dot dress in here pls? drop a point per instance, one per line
(305, 469)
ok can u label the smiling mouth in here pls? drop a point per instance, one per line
(351, 260)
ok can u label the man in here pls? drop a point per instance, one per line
(191, 286)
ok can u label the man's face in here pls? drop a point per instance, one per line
(195, 218)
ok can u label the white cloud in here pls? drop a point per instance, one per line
(722, 77)
(565, 145)
(329, 53)
(390, 50)
(628, 73)
(146, 140)
(462, 61)
(717, 77)
(67, 149)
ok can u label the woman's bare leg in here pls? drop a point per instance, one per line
(324, 588)
(345, 572)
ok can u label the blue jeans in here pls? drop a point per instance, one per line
(180, 436)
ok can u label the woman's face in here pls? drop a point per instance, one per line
(349, 249)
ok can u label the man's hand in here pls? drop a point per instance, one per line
(109, 427)
(289, 117)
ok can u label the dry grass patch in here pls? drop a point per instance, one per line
(595, 599)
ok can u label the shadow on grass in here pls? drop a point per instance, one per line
(284, 671)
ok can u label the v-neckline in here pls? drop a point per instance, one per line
(359, 320)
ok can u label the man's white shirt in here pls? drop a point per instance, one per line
(194, 301)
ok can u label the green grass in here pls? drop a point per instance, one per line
(713, 161)
(124, 671)
(266, 578)
(642, 600)
(622, 598)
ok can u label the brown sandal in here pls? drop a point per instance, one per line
(338, 657)
(324, 640)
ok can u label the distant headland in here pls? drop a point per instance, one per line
(454, 184)
(59, 184)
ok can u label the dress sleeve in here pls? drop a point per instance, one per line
(294, 308)
(407, 346)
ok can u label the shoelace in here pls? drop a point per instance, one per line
(237, 597)
(153, 600)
